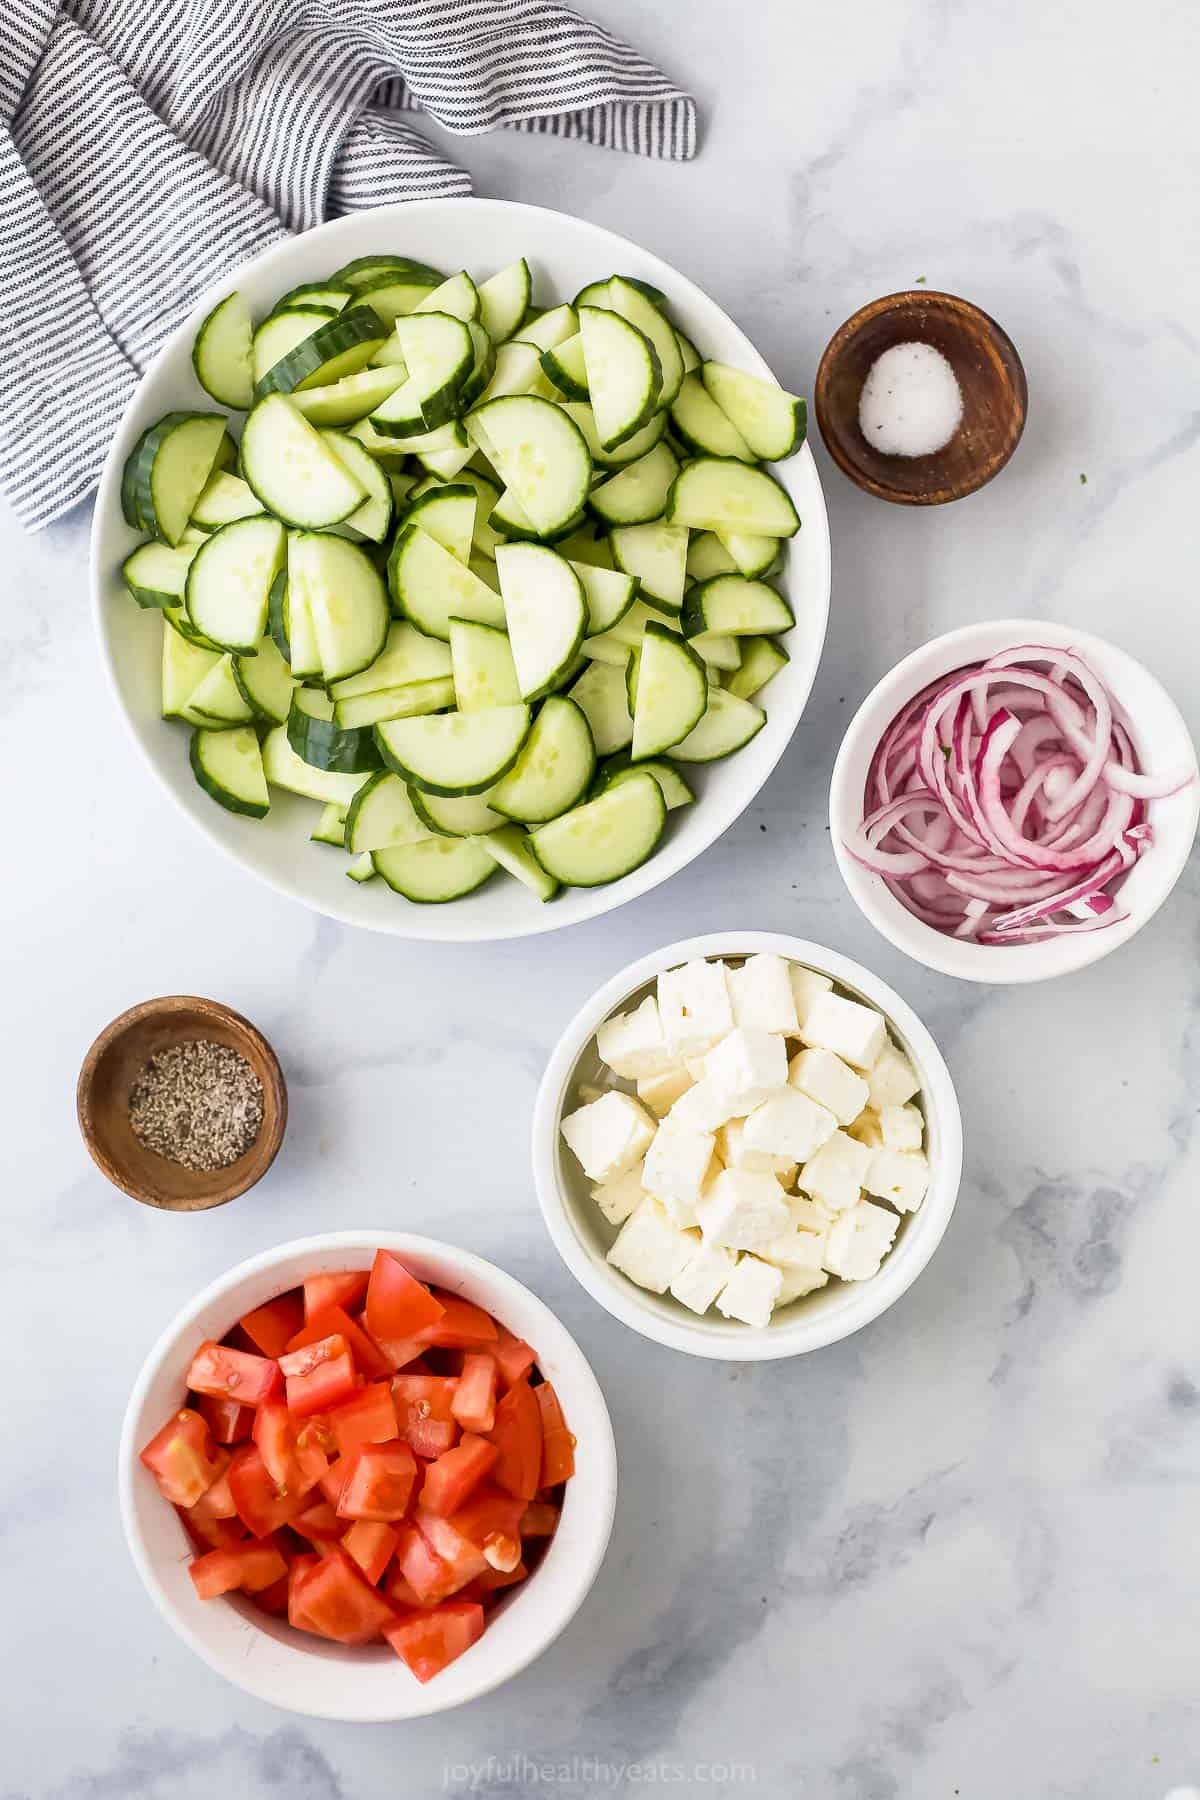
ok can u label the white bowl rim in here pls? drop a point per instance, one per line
(1016, 964)
(587, 903)
(557, 1344)
(863, 1301)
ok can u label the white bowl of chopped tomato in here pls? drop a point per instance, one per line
(367, 1476)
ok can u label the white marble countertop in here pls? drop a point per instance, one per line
(957, 1553)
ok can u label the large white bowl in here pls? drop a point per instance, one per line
(1163, 742)
(482, 235)
(583, 1236)
(264, 1656)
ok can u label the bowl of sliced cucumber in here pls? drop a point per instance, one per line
(449, 574)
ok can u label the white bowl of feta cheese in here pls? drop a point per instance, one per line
(746, 1146)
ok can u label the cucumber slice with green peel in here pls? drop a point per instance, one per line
(229, 581)
(365, 269)
(484, 672)
(347, 401)
(482, 369)
(305, 657)
(633, 663)
(229, 767)
(345, 597)
(381, 816)
(619, 768)
(330, 295)
(168, 471)
(265, 682)
(772, 421)
(362, 868)
(586, 545)
(555, 766)
(564, 367)
(439, 355)
(540, 455)
(485, 568)
(504, 300)
(393, 297)
(184, 666)
(517, 370)
(671, 693)
(225, 498)
(407, 657)
(221, 353)
(468, 816)
(636, 494)
(402, 488)
(613, 646)
(330, 827)
(340, 345)
(717, 650)
(457, 297)
(509, 846)
(700, 424)
(483, 538)
(447, 464)
(614, 457)
(601, 696)
(292, 469)
(391, 452)
(283, 768)
(689, 355)
(717, 493)
(549, 329)
(624, 375)
(609, 594)
(373, 519)
(509, 520)
(156, 575)
(218, 700)
(728, 724)
(319, 739)
(707, 556)
(455, 753)
(594, 294)
(752, 555)
(735, 607)
(632, 302)
(546, 612)
(447, 513)
(430, 587)
(604, 838)
(657, 555)
(762, 659)
(408, 702)
(176, 617)
(280, 333)
(435, 871)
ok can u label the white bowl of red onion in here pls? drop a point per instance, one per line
(1013, 801)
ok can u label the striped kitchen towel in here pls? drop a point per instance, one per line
(147, 148)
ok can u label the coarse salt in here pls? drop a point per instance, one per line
(911, 403)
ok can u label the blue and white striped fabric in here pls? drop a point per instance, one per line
(145, 149)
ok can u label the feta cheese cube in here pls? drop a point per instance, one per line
(703, 1276)
(797, 1249)
(789, 1124)
(809, 1215)
(742, 1210)
(751, 1292)
(633, 1044)
(892, 1080)
(797, 1282)
(695, 1067)
(859, 1241)
(899, 1176)
(617, 1199)
(902, 1127)
(735, 1153)
(867, 1129)
(695, 1008)
(855, 1033)
(836, 1173)
(761, 992)
(825, 1078)
(744, 1068)
(677, 1165)
(660, 1092)
(650, 1249)
(806, 986)
(609, 1135)
(700, 1109)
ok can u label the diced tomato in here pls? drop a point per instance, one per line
(248, 1566)
(299, 1569)
(398, 1305)
(228, 1420)
(292, 1450)
(372, 1544)
(339, 1602)
(379, 1483)
(269, 1327)
(234, 1375)
(539, 1519)
(424, 1411)
(462, 1558)
(517, 1434)
(343, 1287)
(558, 1444)
(330, 1483)
(183, 1458)
(404, 1353)
(216, 1502)
(456, 1474)
(429, 1640)
(491, 1521)
(397, 1587)
(209, 1533)
(368, 1417)
(474, 1403)
(461, 1326)
(261, 1507)
(319, 1523)
(274, 1599)
(335, 1321)
(514, 1357)
(485, 1585)
(320, 1376)
(430, 1576)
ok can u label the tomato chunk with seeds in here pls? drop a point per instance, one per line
(342, 1287)
(234, 1375)
(260, 1506)
(183, 1458)
(429, 1640)
(208, 1533)
(250, 1567)
(558, 1444)
(461, 1326)
(337, 1601)
(269, 1327)
(320, 1376)
(372, 1544)
(368, 1417)
(517, 1434)
(463, 1560)
(425, 1411)
(398, 1305)
(491, 1520)
(229, 1421)
(418, 1564)
(335, 1321)
(299, 1569)
(318, 1522)
(474, 1402)
(456, 1474)
(514, 1357)
(379, 1483)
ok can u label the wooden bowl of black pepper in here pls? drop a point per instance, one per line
(182, 1103)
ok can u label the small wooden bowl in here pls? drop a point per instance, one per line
(113, 1064)
(990, 374)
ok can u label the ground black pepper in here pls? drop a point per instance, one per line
(197, 1104)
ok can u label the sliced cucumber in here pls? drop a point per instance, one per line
(265, 682)
(720, 494)
(564, 367)
(330, 827)
(508, 845)
(229, 581)
(618, 456)
(484, 672)
(657, 555)
(221, 353)
(772, 421)
(439, 355)
(736, 607)
(281, 332)
(408, 702)
(540, 455)
(549, 329)
(391, 452)
(518, 370)
(675, 790)
(586, 545)
(689, 355)
(156, 575)
(285, 769)
(457, 297)
(726, 726)
(448, 461)
(702, 426)
(717, 650)
(447, 513)
(430, 586)
(672, 693)
(609, 594)
(752, 555)
(229, 767)
(601, 696)
(637, 493)
(305, 652)
(407, 656)
(762, 658)
(402, 487)
(437, 870)
(504, 300)
(218, 698)
(707, 556)
(467, 816)
(604, 838)
(169, 469)
(362, 868)
(382, 817)
(624, 374)
(318, 738)
(184, 666)
(345, 598)
(510, 520)
(632, 302)
(594, 294)
(347, 401)
(554, 767)
(482, 369)
(225, 498)
(546, 613)
(455, 753)
(330, 295)
(340, 346)
(392, 297)
(292, 469)
(373, 519)
(365, 269)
